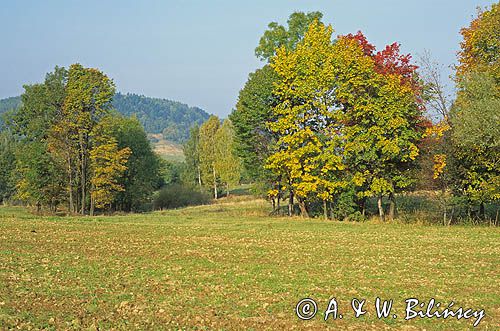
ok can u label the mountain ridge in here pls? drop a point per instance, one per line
(172, 119)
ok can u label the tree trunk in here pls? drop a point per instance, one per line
(76, 201)
(362, 206)
(392, 206)
(83, 182)
(481, 210)
(290, 204)
(278, 201)
(380, 208)
(199, 176)
(83, 150)
(91, 205)
(303, 208)
(70, 173)
(325, 210)
(451, 216)
(215, 184)
(279, 196)
(227, 190)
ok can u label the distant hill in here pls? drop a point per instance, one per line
(9, 103)
(172, 119)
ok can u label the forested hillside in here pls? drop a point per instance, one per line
(170, 118)
(9, 103)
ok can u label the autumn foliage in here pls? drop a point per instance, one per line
(388, 61)
(347, 116)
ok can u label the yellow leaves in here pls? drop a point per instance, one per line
(389, 146)
(301, 70)
(108, 164)
(413, 152)
(337, 112)
(272, 193)
(22, 190)
(396, 122)
(439, 165)
(359, 178)
(437, 131)
(380, 185)
(306, 77)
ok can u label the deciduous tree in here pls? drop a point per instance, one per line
(143, 174)
(305, 117)
(288, 37)
(88, 98)
(480, 48)
(191, 150)
(208, 153)
(107, 165)
(228, 165)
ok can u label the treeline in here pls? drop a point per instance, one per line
(66, 146)
(330, 122)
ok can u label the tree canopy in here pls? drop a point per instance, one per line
(73, 148)
(280, 36)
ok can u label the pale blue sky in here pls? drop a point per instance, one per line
(199, 52)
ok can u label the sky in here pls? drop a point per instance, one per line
(200, 52)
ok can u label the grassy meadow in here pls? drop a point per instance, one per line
(231, 266)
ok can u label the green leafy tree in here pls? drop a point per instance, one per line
(39, 180)
(143, 174)
(476, 138)
(382, 114)
(172, 172)
(7, 164)
(342, 106)
(73, 148)
(288, 37)
(228, 165)
(38, 172)
(472, 163)
(191, 148)
(253, 110)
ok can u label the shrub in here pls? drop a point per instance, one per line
(177, 195)
(345, 207)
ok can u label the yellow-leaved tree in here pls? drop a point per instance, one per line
(305, 122)
(107, 164)
(345, 115)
